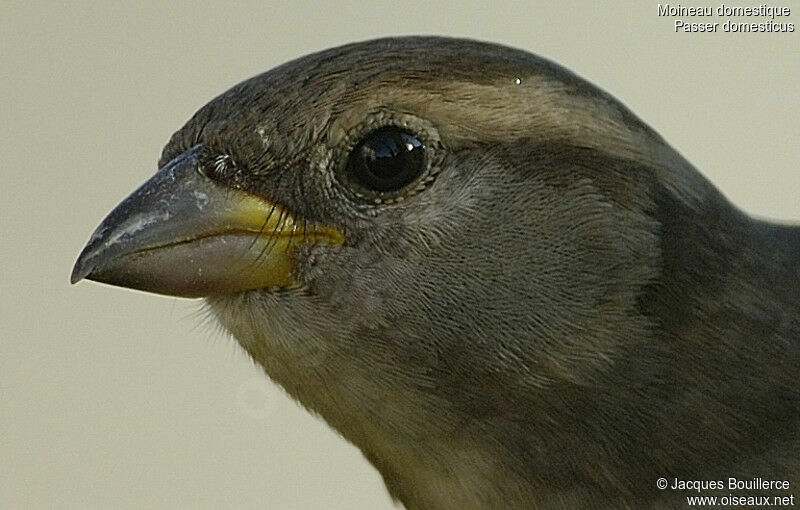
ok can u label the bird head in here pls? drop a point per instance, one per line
(418, 238)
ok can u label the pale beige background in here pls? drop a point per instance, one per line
(118, 399)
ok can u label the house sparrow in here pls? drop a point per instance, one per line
(483, 271)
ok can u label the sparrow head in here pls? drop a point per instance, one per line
(403, 218)
(416, 237)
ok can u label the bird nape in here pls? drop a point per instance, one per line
(484, 272)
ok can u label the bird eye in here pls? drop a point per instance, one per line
(386, 160)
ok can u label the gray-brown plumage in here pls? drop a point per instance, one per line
(484, 272)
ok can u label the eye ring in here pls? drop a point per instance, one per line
(386, 161)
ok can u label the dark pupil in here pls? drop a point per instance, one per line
(387, 160)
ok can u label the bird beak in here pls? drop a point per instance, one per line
(182, 234)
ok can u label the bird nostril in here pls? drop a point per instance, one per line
(219, 168)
